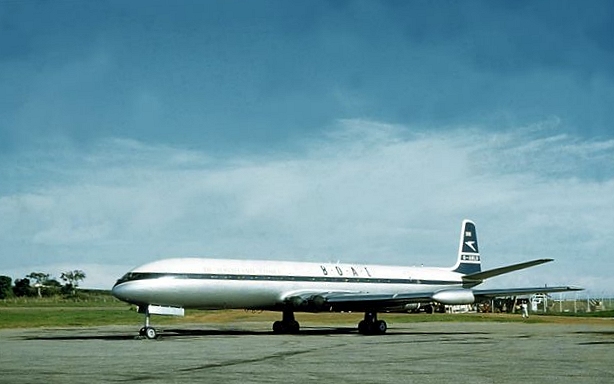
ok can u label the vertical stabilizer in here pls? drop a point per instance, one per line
(468, 251)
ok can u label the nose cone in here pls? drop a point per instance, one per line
(122, 291)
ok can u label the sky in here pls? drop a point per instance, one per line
(351, 131)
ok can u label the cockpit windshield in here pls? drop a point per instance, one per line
(132, 276)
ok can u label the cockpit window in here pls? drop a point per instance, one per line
(132, 276)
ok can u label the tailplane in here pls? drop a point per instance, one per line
(468, 251)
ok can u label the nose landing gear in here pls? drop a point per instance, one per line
(147, 330)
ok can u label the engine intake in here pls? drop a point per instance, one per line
(314, 303)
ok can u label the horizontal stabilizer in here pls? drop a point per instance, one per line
(522, 291)
(479, 276)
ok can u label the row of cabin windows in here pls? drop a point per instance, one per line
(132, 276)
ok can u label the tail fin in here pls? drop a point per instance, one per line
(468, 252)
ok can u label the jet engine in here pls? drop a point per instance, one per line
(454, 296)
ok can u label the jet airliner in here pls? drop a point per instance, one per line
(169, 286)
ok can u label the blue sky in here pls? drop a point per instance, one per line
(358, 131)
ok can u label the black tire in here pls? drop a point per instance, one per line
(294, 327)
(363, 327)
(380, 327)
(278, 327)
(289, 327)
(150, 333)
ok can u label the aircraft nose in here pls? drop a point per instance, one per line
(121, 291)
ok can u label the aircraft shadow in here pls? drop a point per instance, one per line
(171, 333)
(242, 332)
(79, 337)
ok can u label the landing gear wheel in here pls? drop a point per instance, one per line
(380, 327)
(142, 331)
(371, 325)
(150, 333)
(363, 327)
(287, 324)
(293, 327)
(286, 327)
(278, 327)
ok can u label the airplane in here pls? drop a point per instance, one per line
(169, 286)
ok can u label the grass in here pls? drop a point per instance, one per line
(32, 317)
(100, 308)
(51, 302)
(600, 314)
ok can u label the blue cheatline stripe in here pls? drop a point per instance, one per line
(133, 276)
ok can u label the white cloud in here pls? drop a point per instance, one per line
(369, 192)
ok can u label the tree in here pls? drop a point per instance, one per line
(6, 285)
(52, 283)
(72, 278)
(40, 280)
(22, 288)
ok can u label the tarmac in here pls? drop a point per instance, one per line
(251, 353)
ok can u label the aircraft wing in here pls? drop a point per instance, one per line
(488, 293)
(354, 301)
(378, 300)
(360, 301)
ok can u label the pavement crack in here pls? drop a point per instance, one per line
(230, 363)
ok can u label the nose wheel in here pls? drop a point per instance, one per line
(148, 332)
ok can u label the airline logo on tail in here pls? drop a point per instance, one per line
(471, 245)
(468, 251)
(470, 240)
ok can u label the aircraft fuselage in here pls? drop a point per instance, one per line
(217, 284)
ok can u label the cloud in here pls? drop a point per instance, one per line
(227, 77)
(367, 192)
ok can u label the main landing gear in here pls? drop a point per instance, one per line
(371, 325)
(287, 324)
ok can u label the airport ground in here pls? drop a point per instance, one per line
(244, 351)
